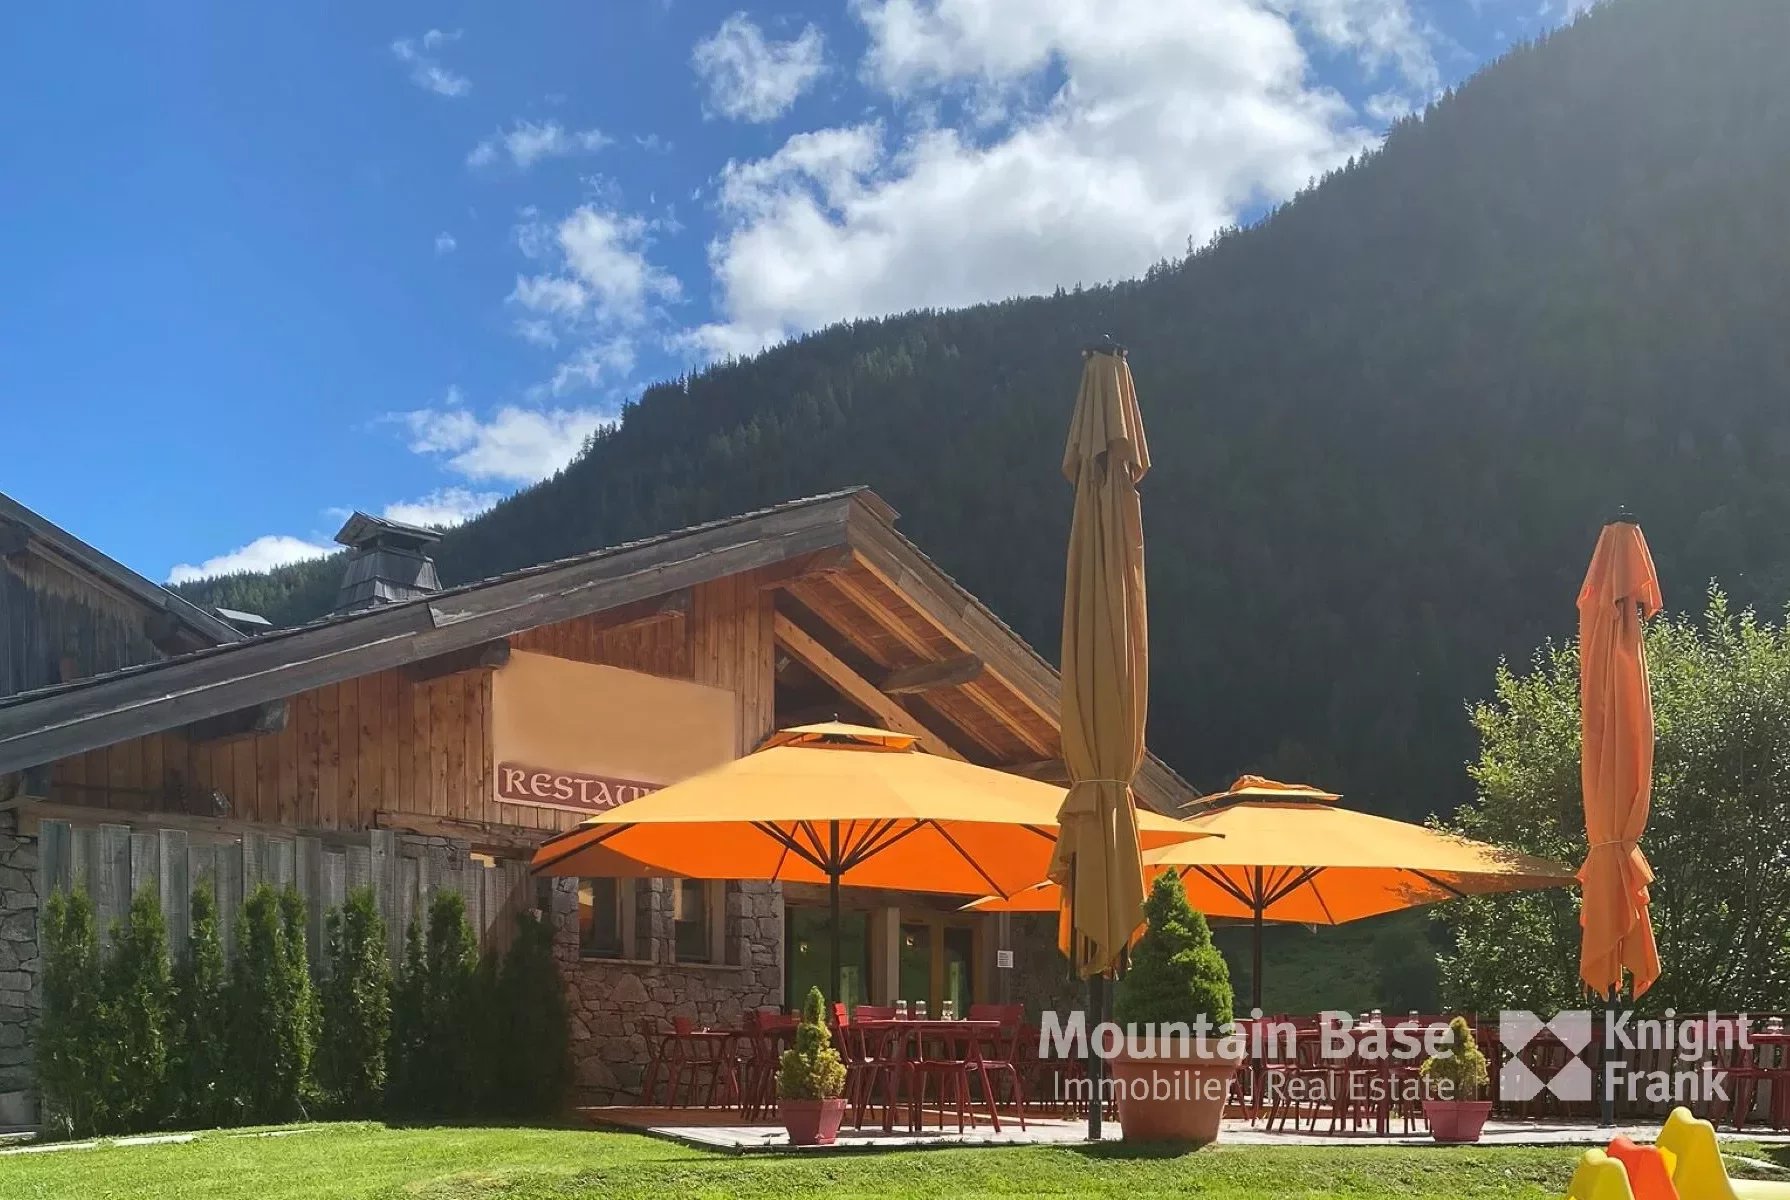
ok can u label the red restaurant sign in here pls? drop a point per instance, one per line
(521, 784)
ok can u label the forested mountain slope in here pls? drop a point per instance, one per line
(1387, 421)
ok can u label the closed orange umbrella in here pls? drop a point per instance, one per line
(1616, 767)
(1105, 668)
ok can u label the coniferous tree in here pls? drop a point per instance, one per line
(534, 1068)
(136, 1006)
(269, 1036)
(72, 1059)
(404, 1089)
(357, 1008)
(198, 1065)
(450, 1052)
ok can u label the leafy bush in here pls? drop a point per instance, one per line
(136, 1006)
(1177, 974)
(198, 1055)
(70, 1052)
(1460, 1073)
(450, 1052)
(533, 1070)
(270, 1016)
(356, 1008)
(811, 1069)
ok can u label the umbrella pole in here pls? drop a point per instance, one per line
(1096, 1066)
(1606, 1099)
(1255, 973)
(833, 904)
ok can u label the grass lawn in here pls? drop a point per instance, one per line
(335, 1162)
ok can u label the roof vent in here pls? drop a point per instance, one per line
(388, 562)
(244, 622)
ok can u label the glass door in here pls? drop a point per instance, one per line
(916, 966)
(958, 981)
(808, 956)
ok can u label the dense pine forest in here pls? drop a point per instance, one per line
(1387, 420)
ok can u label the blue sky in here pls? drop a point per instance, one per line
(268, 263)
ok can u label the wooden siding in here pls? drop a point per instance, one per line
(57, 625)
(378, 749)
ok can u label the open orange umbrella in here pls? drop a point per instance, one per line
(1289, 852)
(1621, 590)
(841, 805)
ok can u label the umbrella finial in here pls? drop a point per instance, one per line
(1105, 345)
(1623, 516)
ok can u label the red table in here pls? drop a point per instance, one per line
(902, 1051)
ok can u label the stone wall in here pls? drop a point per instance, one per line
(19, 964)
(608, 999)
(1041, 979)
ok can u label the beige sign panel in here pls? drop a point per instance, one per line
(585, 738)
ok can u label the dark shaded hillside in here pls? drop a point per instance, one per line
(1387, 421)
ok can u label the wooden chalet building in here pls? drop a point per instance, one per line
(425, 737)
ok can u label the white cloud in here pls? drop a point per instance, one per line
(426, 69)
(445, 243)
(444, 506)
(598, 290)
(1382, 34)
(750, 79)
(528, 142)
(262, 554)
(1129, 126)
(514, 445)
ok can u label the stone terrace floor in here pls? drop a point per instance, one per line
(719, 1129)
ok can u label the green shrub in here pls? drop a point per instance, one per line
(1177, 974)
(70, 1054)
(301, 993)
(811, 1069)
(136, 1007)
(198, 1055)
(447, 1072)
(357, 1008)
(1460, 1073)
(269, 1022)
(404, 1056)
(532, 1066)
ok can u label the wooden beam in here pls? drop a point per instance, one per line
(485, 656)
(672, 606)
(483, 835)
(890, 621)
(859, 690)
(830, 561)
(925, 677)
(1046, 770)
(269, 717)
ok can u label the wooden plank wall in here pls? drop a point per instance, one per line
(57, 625)
(115, 861)
(382, 743)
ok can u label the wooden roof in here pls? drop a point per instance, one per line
(859, 606)
(182, 624)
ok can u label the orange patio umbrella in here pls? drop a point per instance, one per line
(1621, 589)
(1288, 852)
(841, 805)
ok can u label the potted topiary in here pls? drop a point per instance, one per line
(1453, 1081)
(811, 1080)
(1177, 976)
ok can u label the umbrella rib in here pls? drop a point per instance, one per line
(964, 854)
(1447, 887)
(870, 847)
(790, 844)
(597, 839)
(814, 841)
(1286, 888)
(1225, 885)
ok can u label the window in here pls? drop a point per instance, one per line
(694, 917)
(606, 918)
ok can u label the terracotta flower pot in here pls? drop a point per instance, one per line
(811, 1122)
(1172, 1099)
(1456, 1120)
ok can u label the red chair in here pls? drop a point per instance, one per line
(949, 1060)
(657, 1043)
(767, 1035)
(1003, 1066)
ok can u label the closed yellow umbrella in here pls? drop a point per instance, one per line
(1105, 668)
(841, 805)
(1287, 852)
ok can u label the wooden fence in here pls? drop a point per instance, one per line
(114, 862)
